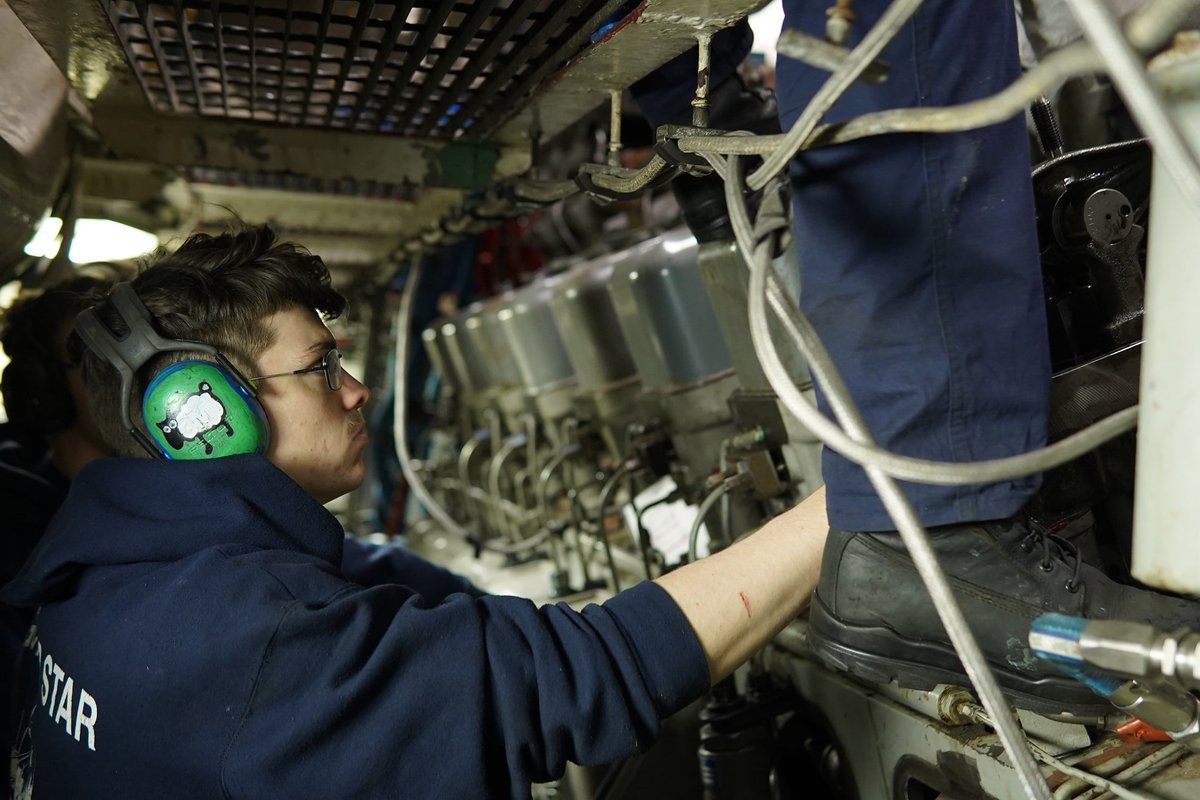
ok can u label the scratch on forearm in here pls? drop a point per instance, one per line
(746, 603)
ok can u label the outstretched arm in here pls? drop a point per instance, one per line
(737, 599)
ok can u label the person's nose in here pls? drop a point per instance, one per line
(354, 392)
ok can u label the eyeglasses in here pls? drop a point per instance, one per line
(331, 365)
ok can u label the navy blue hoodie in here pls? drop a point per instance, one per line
(31, 490)
(196, 639)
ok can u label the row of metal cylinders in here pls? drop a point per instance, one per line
(655, 334)
(638, 321)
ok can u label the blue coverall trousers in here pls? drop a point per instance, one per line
(919, 256)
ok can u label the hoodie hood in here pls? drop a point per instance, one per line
(129, 510)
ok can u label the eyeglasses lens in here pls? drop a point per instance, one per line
(333, 369)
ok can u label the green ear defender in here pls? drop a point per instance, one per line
(196, 409)
(192, 409)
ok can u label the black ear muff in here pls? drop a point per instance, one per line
(193, 408)
(36, 395)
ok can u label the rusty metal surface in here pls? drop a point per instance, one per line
(33, 146)
(240, 148)
(652, 34)
(79, 39)
(382, 99)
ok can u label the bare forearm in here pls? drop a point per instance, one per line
(736, 600)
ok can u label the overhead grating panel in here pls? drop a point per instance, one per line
(429, 68)
(293, 182)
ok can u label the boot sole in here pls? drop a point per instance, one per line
(923, 665)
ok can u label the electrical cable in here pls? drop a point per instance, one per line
(399, 430)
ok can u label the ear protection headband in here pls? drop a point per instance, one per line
(193, 409)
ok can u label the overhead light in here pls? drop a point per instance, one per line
(94, 240)
(45, 241)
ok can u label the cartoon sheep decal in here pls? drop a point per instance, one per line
(200, 413)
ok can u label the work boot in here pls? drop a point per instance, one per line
(872, 617)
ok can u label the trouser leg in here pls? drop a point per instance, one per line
(919, 262)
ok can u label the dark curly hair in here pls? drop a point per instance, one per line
(218, 290)
(33, 331)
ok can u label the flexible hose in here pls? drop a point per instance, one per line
(1143, 98)
(889, 24)
(772, 223)
(560, 456)
(644, 543)
(918, 470)
(606, 493)
(1148, 30)
(495, 471)
(1073, 60)
(627, 180)
(706, 505)
(1152, 27)
(399, 431)
(1105, 785)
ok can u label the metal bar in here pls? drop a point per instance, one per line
(283, 61)
(614, 129)
(458, 42)
(549, 63)
(114, 18)
(318, 48)
(400, 12)
(186, 36)
(700, 104)
(483, 57)
(219, 38)
(351, 47)
(430, 27)
(164, 69)
(253, 59)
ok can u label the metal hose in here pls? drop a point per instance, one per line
(399, 430)
(710, 499)
(770, 223)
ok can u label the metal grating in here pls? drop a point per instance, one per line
(428, 68)
(292, 182)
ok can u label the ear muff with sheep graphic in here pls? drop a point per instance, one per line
(192, 409)
(195, 409)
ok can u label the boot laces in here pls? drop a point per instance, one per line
(1055, 548)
